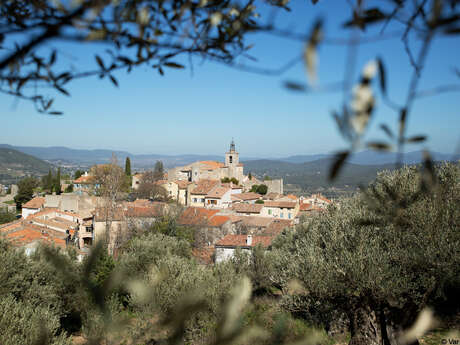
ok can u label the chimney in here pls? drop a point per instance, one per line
(249, 240)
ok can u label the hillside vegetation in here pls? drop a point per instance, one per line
(311, 176)
(14, 164)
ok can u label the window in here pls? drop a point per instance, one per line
(269, 211)
(289, 215)
(202, 200)
(281, 215)
(230, 159)
(195, 199)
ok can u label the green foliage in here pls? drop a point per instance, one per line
(250, 176)
(158, 171)
(69, 188)
(262, 189)
(267, 178)
(382, 249)
(47, 181)
(260, 201)
(22, 323)
(57, 182)
(25, 191)
(33, 288)
(78, 173)
(128, 166)
(5, 216)
(228, 180)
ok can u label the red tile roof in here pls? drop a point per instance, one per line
(182, 183)
(247, 208)
(277, 226)
(256, 221)
(204, 255)
(29, 234)
(217, 192)
(202, 217)
(218, 220)
(36, 202)
(241, 241)
(246, 196)
(84, 180)
(212, 165)
(204, 187)
(280, 204)
(155, 210)
(305, 206)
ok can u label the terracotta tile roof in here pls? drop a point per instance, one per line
(202, 216)
(154, 210)
(84, 180)
(4, 228)
(246, 196)
(204, 255)
(100, 214)
(161, 182)
(291, 196)
(277, 226)
(217, 192)
(247, 208)
(45, 211)
(204, 187)
(182, 183)
(36, 202)
(305, 206)
(212, 165)
(280, 204)
(30, 234)
(241, 241)
(218, 220)
(256, 221)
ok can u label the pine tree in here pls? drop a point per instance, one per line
(128, 167)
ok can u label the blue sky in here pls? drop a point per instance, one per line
(199, 113)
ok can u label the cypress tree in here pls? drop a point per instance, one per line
(49, 181)
(57, 184)
(128, 167)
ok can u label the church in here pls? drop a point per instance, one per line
(211, 170)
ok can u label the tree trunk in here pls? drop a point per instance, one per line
(365, 327)
(369, 326)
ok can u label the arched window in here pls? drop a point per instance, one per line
(231, 159)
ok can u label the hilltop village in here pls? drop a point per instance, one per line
(216, 202)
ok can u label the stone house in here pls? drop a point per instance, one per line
(280, 209)
(226, 247)
(219, 197)
(32, 206)
(202, 189)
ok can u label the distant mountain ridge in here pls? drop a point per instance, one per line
(57, 154)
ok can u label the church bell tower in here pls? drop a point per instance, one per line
(232, 157)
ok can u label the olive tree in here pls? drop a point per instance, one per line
(381, 256)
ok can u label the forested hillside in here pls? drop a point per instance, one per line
(14, 164)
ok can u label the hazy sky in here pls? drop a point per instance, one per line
(199, 113)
